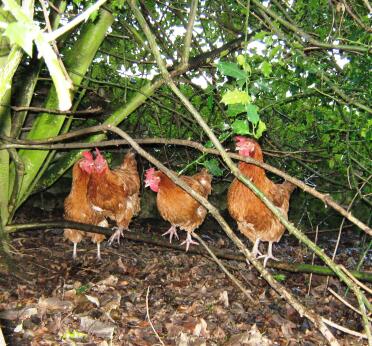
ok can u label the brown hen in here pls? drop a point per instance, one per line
(254, 219)
(115, 193)
(78, 208)
(177, 206)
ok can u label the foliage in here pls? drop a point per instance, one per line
(297, 80)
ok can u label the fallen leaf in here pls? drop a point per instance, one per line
(98, 328)
(224, 298)
(14, 314)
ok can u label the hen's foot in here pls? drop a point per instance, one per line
(255, 251)
(267, 257)
(172, 232)
(189, 241)
(117, 235)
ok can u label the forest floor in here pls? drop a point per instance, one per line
(187, 298)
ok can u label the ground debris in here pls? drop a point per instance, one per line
(190, 302)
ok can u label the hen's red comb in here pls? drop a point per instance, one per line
(240, 139)
(98, 153)
(149, 173)
(88, 155)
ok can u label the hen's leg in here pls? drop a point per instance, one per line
(99, 252)
(189, 241)
(172, 232)
(74, 252)
(116, 236)
(269, 254)
(255, 250)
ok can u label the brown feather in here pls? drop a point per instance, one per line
(177, 206)
(254, 219)
(116, 192)
(77, 207)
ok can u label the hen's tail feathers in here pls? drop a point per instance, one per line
(289, 187)
(204, 178)
(129, 160)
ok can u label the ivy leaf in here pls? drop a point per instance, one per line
(266, 68)
(252, 113)
(240, 127)
(21, 34)
(213, 166)
(232, 70)
(235, 96)
(235, 109)
(261, 128)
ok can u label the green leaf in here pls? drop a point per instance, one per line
(326, 138)
(210, 102)
(279, 277)
(261, 128)
(235, 109)
(232, 70)
(240, 59)
(260, 35)
(235, 96)
(83, 289)
(21, 34)
(266, 68)
(73, 335)
(240, 127)
(242, 62)
(213, 166)
(274, 51)
(252, 113)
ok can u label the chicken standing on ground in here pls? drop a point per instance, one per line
(78, 208)
(254, 219)
(115, 193)
(177, 206)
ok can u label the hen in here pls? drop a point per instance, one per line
(254, 219)
(177, 206)
(115, 193)
(78, 208)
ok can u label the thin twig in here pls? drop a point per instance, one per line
(345, 302)
(343, 329)
(361, 285)
(97, 110)
(188, 36)
(148, 316)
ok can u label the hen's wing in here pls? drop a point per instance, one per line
(205, 179)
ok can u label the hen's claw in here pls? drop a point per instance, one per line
(172, 232)
(269, 254)
(117, 235)
(189, 241)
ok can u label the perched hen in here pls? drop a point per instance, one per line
(115, 193)
(78, 208)
(177, 206)
(254, 219)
